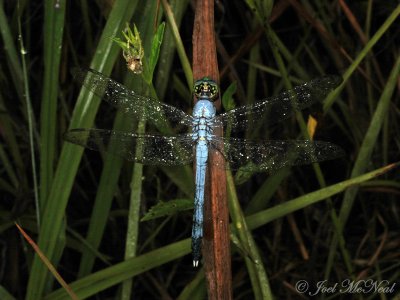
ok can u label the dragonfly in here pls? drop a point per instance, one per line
(195, 145)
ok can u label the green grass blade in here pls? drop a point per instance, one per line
(258, 274)
(261, 218)
(99, 281)
(53, 42)
(154, 54)
(5, 295)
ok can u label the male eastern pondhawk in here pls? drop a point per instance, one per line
(182, 149)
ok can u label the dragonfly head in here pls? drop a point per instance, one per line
(206, 88)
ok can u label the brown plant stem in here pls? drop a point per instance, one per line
(216, 243)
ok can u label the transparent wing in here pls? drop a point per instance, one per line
(160, 114)
(282, 106)
(273, 155)
(155, 149)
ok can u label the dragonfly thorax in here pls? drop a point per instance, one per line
(203, 117)
(204, 109)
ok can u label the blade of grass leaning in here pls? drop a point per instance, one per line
(101, 280)
(261, 218)
(5, 295)
(258, 275)
(70, 156)
(48, 264)
(364, 155)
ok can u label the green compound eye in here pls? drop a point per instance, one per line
(206, 87)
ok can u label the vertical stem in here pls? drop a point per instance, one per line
(216, 244)
(132, 235)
